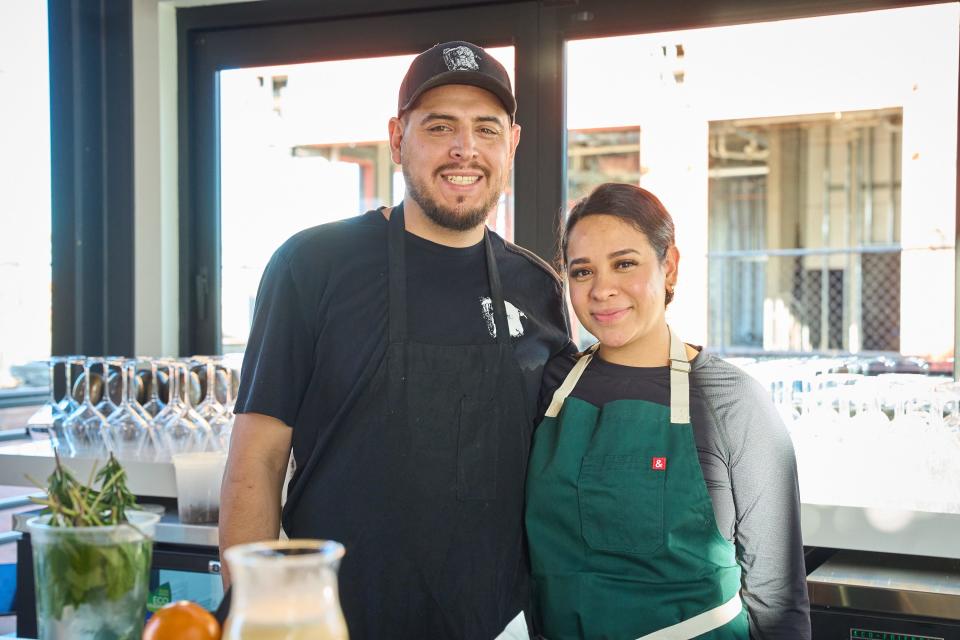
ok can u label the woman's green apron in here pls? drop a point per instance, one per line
(623, 539)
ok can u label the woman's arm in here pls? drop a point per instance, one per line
(762, 470)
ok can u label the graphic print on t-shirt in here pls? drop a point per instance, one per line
(513, 317)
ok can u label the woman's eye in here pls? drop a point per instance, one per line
(625, 264)
(579, 273)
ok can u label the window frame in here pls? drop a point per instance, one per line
(91, 181)
(207, 51)
(215, 37)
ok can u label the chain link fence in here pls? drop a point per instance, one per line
(806, 300)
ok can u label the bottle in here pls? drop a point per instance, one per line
(285, 590)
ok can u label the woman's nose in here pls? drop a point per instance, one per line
(603, 287)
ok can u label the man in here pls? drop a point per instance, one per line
(399, 354)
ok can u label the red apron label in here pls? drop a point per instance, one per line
(659, 464)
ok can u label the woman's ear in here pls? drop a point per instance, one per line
(671, 264)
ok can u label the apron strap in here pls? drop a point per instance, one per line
(701, 623)
(679, 381)
(496, 293)
(569, 382)
(397, 276)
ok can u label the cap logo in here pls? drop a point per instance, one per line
(461, 59)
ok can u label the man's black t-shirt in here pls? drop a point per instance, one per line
(320, 320)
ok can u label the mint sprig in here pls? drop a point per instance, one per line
(73, 569)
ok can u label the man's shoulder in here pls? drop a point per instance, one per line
(528, 263)
(332, 238)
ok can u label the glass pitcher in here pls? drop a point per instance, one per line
(285, 590)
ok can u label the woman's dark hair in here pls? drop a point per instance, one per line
(637, 207)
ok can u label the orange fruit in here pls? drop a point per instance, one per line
(182, 620)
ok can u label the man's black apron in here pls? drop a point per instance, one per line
(422, 481)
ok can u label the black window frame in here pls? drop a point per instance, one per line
(206, 50)
(211, 36)
(91, 181)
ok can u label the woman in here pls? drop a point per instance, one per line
(662, 496)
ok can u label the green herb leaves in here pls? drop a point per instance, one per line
(72, 504)
(91, 565)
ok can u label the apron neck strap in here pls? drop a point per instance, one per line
(397, 275)
(569, 382)
(396, 249)
(496, 292)
(679, 380)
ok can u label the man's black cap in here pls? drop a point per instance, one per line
(456, 62)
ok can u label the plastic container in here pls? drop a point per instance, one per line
(199, 475)
(91, 582)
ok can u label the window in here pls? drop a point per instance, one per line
(805, 249)
(25, 245)
(298, 148)
(811, 209)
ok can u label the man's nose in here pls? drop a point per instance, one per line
(464, 146)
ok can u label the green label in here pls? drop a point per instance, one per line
(159, 597)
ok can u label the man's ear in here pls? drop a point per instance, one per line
(396, 128)
(515, 132)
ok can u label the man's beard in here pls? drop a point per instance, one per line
(459, 219)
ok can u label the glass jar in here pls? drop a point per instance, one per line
(285, 589)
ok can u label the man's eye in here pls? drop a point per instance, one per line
(440, 128)
(489, 132)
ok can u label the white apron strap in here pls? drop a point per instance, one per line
(699, 624)
(569, 383)
(679, 381)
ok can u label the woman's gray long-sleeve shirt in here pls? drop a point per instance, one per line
(749, 467)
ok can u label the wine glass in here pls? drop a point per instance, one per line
(227, 417)
(211, 409)
(180, 429)
(47, 422)
(68, 404)
(154, 405)
(107, 382)
(128, 432)
(85, 427)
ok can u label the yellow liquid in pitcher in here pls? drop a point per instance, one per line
(306, 630)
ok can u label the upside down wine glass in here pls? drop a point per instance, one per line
(180, 429)
(47, 422)
(219, 417)
(128, 432)
(84, 429)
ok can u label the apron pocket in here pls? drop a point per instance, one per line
(477, 450)
(621, 504)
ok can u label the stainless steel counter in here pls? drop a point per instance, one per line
(169, 530)
(911, 585)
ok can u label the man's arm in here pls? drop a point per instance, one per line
(252, 482)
